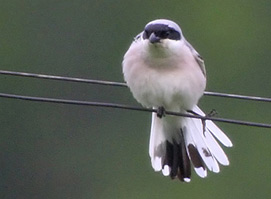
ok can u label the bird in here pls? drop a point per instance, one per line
(164, 72)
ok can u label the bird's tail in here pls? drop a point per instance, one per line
(176, 142)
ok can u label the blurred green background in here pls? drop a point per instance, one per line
(65, 151)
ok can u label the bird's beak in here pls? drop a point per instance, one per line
(154, 39)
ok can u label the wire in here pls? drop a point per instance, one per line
(120, 84)
(235, 96)
(121, 106)
(127, 107)
(61, 78)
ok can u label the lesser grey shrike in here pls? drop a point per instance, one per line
(165, 72)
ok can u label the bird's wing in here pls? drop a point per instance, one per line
(197, 57)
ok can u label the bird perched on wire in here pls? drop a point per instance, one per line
(165, 72)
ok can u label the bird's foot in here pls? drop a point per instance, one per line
(161, 112)
(203, 121)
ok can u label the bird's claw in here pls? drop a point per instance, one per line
(161, 112)
(212, 113)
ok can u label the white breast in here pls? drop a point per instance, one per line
(172, 80)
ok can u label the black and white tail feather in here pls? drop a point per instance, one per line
(176, 142)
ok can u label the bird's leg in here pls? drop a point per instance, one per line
(203, 121)
(161, 111)
(210, 114)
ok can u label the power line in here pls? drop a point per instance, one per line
(62, 78)
(120, 84)
(127, 107)
(235, 96)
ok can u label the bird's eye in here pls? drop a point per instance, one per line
(165, 34)
(173, 34)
